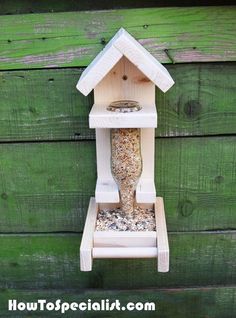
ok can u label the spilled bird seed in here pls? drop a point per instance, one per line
(116, 220)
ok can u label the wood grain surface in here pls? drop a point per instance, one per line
(172, 35)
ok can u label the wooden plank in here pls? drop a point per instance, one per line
(143, 60)
(106, 187)
(145, 190)
(196, 178)
(163, 255)
(124, 44)
(46, 186)
(98, 68)
(30, 6)
(195, 302)
(49, 187)
(146, 117)
(124, 252)
(202, 101)
(52, 261)
(125, 239)
(86, 246)
(75, 38)
(45, 105)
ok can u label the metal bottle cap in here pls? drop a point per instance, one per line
(124, 106)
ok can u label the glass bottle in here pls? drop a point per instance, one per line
(126, 159)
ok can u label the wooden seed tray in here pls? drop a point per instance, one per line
(112, 244)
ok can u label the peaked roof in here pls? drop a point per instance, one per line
(123, 44)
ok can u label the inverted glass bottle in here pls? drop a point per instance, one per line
(126, 159)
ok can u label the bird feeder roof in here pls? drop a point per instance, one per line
(123, 44)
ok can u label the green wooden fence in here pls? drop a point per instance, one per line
(47, 156)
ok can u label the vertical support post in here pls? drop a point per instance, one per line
(106, 188)
(86, 259)
(146, 191)
(162, 238)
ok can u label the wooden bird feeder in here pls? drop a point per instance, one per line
(124, 71)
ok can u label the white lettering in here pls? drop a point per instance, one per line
(41, 303)
(73, 306)
(112, 306)
(50, 306)
(117, 304)
(149, 306)
(82, 306)
(58, 304)
(96, 306)
(139, 306)
(89, 304)
(12, 303)
(130, 306)
(64, 307)
(31, 306)
(21, 306)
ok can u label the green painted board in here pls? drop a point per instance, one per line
(202, 101)
(192, 34)
(45, 105)
(200, 302)
(45, 187)
(31, 6)
(52, 261)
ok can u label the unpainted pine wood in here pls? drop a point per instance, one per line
(106, 188)
(113, 87)
(127, 245)
(124, 252)
(163, 255)
(52, 261)
(99, 117)
(124, 239)
(45, 105)
(86, 246)
(98, 68)
(74, 38)
(46, 186)
(123, 82)
(145, 190)
(123, 44)
(143, 60)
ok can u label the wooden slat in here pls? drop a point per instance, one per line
(124, 239)
(52, 261)
(196, 178)
(194, 34)
(192, 302)
(31, 6)
(49, 186)
(86, 246)
(202, 101)
(126, 252)
(46, 186)
(45, 105)
(163, 256)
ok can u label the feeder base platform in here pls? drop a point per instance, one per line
(124, 244)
